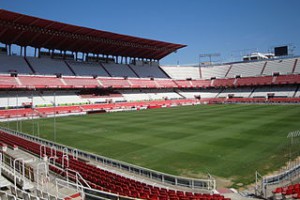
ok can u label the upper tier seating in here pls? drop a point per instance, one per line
(284, 66)
(14, 64)
(47, 66)
(249, 69)
(146, 71)
(216, 71)
(297, 68)
(182, 72)
(246, 69)
(87, 69)
(118, 70)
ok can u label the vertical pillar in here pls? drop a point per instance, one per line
(21, 51)
(9, 50)
(25, 51)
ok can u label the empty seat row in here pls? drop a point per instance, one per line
(84, 82)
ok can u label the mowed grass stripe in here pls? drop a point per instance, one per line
(229, 141)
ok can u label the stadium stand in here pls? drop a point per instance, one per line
(118, 70)
(208, 93)
(114, 82)
(15, 99)
(241, 69)
(182, 73)
(287, 192)
(246, 69)
(60, 98)
(297, 66)
(216, 71)
(149, 95)
(58, 110)
(11, 64)
(297, 93)
(274, 92)
(104, 180)
(6, 81)
(254, 81)
(282, 66)
(287, 79)
(16, 113)
(165, 83)
(236, 92)
(96, 96)
(135, 96)
(143, 83)
(148, 71)
(184, 83)
(201, 83)
(87, 69)
(223, 82)
(81, 82)
(40, 82)
(48, 66)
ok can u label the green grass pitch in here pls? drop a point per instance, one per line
(227, 141)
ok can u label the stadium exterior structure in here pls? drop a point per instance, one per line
(118, 72)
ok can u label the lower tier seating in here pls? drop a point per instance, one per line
(288, 192)
(104, 180)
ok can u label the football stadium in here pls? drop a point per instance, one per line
(94, 115)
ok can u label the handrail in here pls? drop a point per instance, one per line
(285, 175)
(78, 176)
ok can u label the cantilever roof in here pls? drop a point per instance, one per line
(26, 30)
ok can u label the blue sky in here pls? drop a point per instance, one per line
(229, 27)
